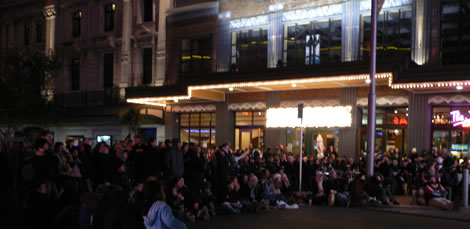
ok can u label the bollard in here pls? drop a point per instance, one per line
(465, 188)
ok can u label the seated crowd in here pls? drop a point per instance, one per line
(133, 184)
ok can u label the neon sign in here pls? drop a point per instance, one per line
(459, 119)
(400, 121)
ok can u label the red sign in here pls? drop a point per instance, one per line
(400, 121)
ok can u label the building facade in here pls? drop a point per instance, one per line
(269, 56)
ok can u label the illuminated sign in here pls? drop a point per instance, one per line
(316, 117)
(460, 147)
(400, 121)
(318, 12)
(249, 22)
(459, 119)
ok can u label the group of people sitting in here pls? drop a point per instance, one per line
(138, 185)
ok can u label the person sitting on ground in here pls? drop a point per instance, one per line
(232, 203)
(381, 192)
(318, 191)
(434, 195)
(336, 190)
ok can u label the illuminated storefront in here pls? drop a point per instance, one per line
(451, 129)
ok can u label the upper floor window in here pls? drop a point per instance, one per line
(108, 70)
(39, 31)
(393, 33)
(75, 74)
(313, 42)
(455, 31)
(76, 23)
(147, 66)
(27, 33)
(148, 10)
(250, 49)
(196, 54)
(109, 10)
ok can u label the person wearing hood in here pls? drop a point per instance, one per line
(159, 215)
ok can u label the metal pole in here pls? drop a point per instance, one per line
(465, 187)
(300, 158)
(371, 108)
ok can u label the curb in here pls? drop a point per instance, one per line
(402, 212)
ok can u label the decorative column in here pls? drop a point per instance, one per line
(350, 31)
(419, 123)
(348, 136)
(421, 28)
(126, 57)
(273, 135)
(161, 44)
(275, 39)
(224, 125)
(224, 46)
(50, 12)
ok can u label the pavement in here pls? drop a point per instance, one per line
(403, 216)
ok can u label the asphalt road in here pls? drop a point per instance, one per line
(324, 217)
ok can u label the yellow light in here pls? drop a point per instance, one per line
(113, 6)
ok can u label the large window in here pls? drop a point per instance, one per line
(313, 43)
(109, 10)
(451, 129)
(196, 54)
(249, 129)
(39, 31)
(455, 31)
(393, 33)
(76, 23)
(147, 66)
(198, 128)
(250, 49)
(391, 129)
(27, 33)
(148, 10)
(75, 74)
(108, 70)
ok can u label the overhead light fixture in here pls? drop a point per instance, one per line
(230, 89)
(175, 100)
(396, 112)
(368, 81)
(459, 87)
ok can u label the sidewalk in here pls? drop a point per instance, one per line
(405, 207)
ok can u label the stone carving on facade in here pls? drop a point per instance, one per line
(49, 11)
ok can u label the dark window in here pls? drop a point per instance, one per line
(108, 70)
(148, 10)
(393, 33)
(39, 31)
(109, 16)
(75, 74)
(196, 54)
(455, 31)
(313, 43)
(198, 128)
(27, 33)
(147, 66)
(250, 49)
(76, 23)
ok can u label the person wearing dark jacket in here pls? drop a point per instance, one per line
(176, 159)
(223, 170)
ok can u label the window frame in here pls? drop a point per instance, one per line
(198, 127)
(76, 23)
(109, 16)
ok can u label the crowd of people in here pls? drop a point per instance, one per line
(137, 184)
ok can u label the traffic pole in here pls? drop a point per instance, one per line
(371, 108)
(465, 188)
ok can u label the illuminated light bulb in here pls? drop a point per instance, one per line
(294, 85)
(459, 87)
(367, 81)
(396, 112)
(230, 89)
(175, 100)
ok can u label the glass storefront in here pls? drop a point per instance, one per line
(310, 136)
(451, 130)
(198, 128)
(391, 129)
(249, 129)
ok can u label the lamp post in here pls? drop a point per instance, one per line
(300, 115)
(371, 108)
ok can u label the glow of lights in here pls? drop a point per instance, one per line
(315, 117)
(311, 13)
(230, 89)
(249, 22)
(146, 103)
(294, 85)
(341, 78)
(276, 7)
(225, 15)
(175, 100)
(396, 112)
(460, 87)
(367, 81)
(459, 119)
(366, 4)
